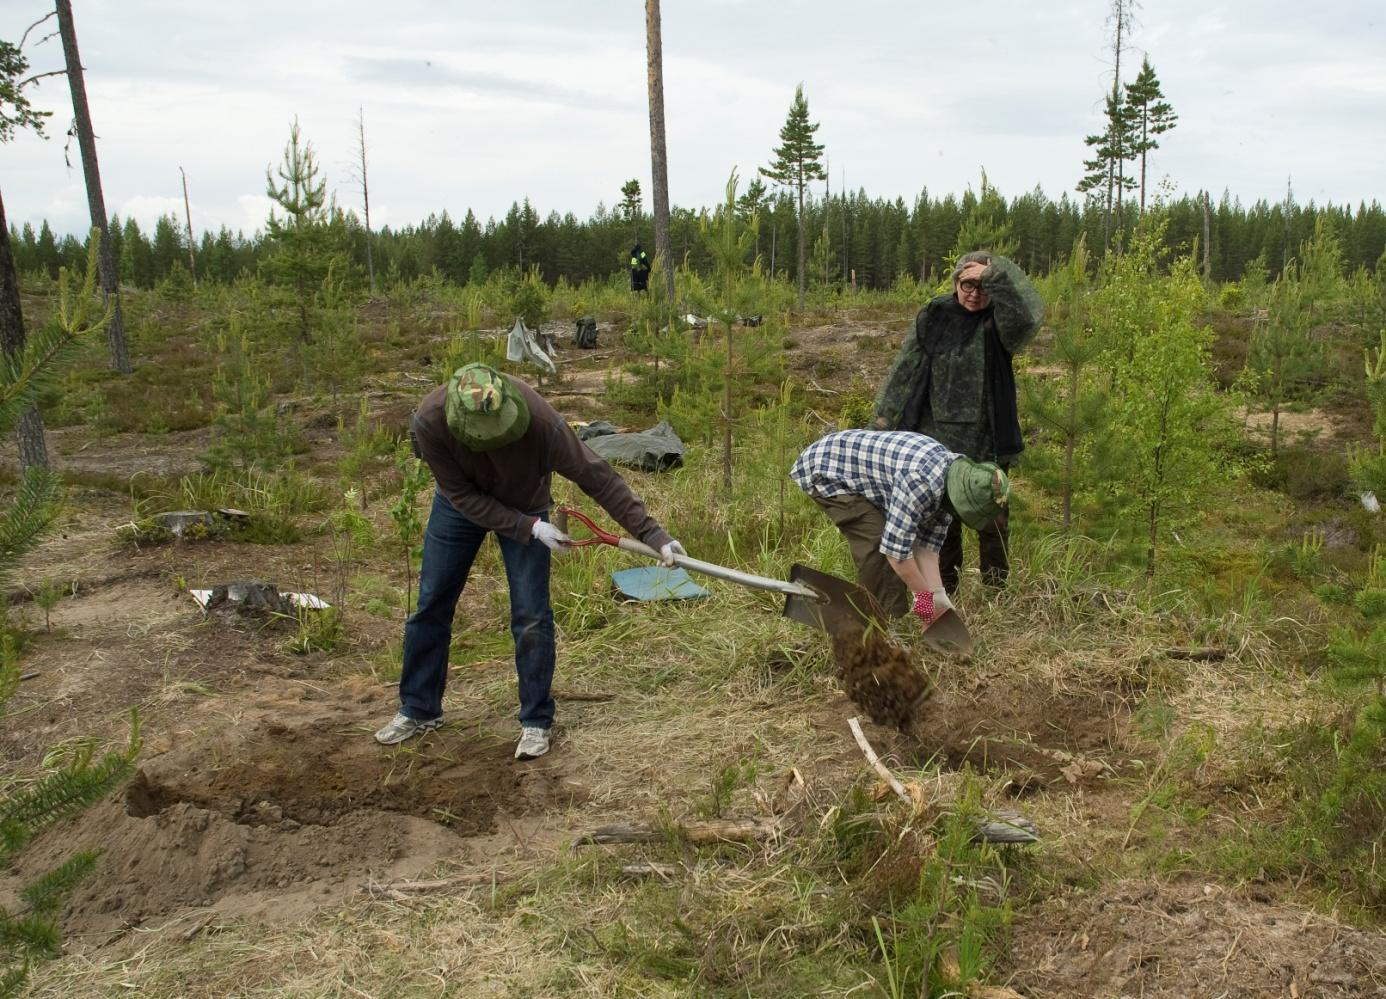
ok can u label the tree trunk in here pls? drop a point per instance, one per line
(1070, 445)
(1207, 242)
(802, 255)
(1144, 139)
(659, 162)
(86, 141)
(187, 214)
(33, 453)
(727, 415)
(709, 831)
(366, 202)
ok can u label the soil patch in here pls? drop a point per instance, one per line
(306, 776)
(1035, 737)
(1173, 941)
(273, 821)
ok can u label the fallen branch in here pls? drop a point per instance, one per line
(28, 676)
(697, 833)
(197, 927)
(1204, 655)
(875, 761)
(665, 871)
(582, 695)
(404, 889)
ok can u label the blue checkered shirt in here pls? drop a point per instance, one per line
(903, 474)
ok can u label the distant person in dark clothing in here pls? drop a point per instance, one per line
(952, 380)
(639, 268)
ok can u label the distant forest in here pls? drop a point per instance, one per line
(856, 238)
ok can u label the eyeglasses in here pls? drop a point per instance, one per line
(970, 287)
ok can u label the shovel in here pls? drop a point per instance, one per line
(846, 611)
(792, 590)
(817, 599)
(841, 606)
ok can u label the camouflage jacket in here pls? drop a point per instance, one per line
(939, 376)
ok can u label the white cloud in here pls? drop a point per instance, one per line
(470, 105)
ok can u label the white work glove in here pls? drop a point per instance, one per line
(551, 537)
(667, 553)
(929, 606)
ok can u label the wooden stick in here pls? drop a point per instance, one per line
(665, 871)
(582, 695)
(875, 761)
(474, 879)
(698, 833)
(1204, 655)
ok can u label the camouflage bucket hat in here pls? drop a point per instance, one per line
(484, 410)
(978, 490)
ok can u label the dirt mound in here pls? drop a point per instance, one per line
(275, 821)
(880, 677)
(312, 777)
(1173, 941)
(1035, 736)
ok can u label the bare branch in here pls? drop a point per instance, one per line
(25, 36)
(39, 76)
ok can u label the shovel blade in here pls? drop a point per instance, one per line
(949, 633)
(841, 607)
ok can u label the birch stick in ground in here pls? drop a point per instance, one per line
(875, 761)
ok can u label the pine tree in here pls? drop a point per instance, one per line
(1107, 168)
(1070, 408)
(1149, 115)
(1368, 464)
(751, 204)
(1282, 356)
(303, 250)
(985, 227)
(798, 160)
(729, 241)
(629, 206)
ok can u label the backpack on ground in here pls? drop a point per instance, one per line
(586, 335)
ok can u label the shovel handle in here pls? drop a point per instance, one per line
(600, 536)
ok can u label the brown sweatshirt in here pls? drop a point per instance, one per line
(503, 490)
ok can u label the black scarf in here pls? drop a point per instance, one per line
(1005, 420)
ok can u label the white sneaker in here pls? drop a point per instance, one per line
(534, 742)
(403, 727)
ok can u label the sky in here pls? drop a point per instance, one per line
(480, 105)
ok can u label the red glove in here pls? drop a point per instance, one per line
(929, 607)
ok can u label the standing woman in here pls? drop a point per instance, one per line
(953, 381)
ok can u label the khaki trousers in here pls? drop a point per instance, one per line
(862, 523)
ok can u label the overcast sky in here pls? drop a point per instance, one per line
(480, 105)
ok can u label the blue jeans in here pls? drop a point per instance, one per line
(450, 547)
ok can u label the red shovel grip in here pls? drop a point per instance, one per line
(599, 536)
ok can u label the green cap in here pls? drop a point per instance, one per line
(484, 410)
(978, 491)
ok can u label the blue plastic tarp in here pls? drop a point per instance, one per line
(656, 583)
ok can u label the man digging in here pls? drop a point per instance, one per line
(493, 445)
(894, 495)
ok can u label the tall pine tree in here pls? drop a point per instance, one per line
(1149, 115)
(798, 160)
